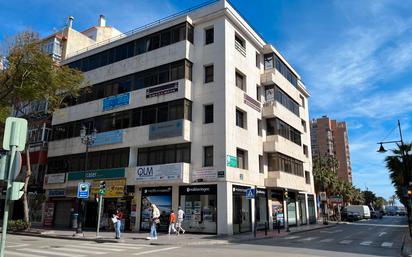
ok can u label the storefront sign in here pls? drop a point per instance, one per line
(96, 174)
(240, 189)
(162, 90)
(114, 188)
(156, 190)
(204, 174)
(231, 161)
(109, 137)
(56, 193)
(251, 102)
(261, 192)
(55, 178)
(166, 129)
(113, 102)
(221, 174)
(198, 190)
(163, 172)
(48, 214)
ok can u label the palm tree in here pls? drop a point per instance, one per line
(396, 164)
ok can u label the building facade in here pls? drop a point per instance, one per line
(330, 138)
(191, 112)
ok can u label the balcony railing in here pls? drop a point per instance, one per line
(240, 48)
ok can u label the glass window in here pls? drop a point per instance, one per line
(240, 119)
(162, 113)
(207, 156)
(165, 38)
(200, 213)
(209, 36)
(208, 73)
(149, 115)
(240, 81)
(257, 60)
(241, 158)
(239, 40)
(208, 113)
(260, 164)
(259, 127)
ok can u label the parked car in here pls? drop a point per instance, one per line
(376, 214)
(401, 211)
(350, 216)
(391, 211)
(363, 210)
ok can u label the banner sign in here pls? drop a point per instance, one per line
(204, 174)
(114, 187)
(156, 191)
(48, 214)
(109, 137)
(231, 161)
(251, 102)
(163, 172)
(113, 102)
(96, 174)
(55, 178)
(162, 90)
(166, 129)
(198, 190)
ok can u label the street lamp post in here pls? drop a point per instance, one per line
(88, 140)
(406, 175)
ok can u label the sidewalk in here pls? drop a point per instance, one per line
(164, 239)
(407, 246)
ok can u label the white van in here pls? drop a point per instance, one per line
(363, 210)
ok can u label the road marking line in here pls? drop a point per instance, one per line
(53, 253)
(157, 250)
(292, 237)
(327, 240)
(16, 245)
(387, 244)
(78, 250)
(308, 239)
(120, 247)
(366, 243)
(381, 234)
(345, 242)
(22, 254)
(91, 247)
(125, 244)
(331, 231)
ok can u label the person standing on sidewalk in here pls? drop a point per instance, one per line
(155, 220)
(119, 217)
(172, 222)
(180, 218)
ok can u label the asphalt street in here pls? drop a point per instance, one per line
(363, 238)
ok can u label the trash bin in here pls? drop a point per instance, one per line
(74, 218)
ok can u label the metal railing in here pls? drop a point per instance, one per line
(240, 48)
(141, 28)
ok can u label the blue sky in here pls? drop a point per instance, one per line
(354, 56)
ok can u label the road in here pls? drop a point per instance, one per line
(364, 238)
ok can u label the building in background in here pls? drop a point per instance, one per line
(192, 111)
(330, 138)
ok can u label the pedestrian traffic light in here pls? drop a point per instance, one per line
(102, 185)
(16, 191)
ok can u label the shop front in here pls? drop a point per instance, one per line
(162, 198)
(312, 209)
(302, 209)
(291, 209)
(278, 214)
(199, 203)
(242, 218)
(261, 208)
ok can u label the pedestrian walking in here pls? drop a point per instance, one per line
(155, 221)
(117, 220)
(172, 222)
(180, 218)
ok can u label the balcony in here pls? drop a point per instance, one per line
(279, 179)
(273, 109)
(276, 143)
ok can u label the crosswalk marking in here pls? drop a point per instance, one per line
(79, 250)
(308, 239)
(8, 253)
(52, 253)
(126, 244)
(155, 251)
(387, 244)
(381, 234)
(292, 237)
(366, 243)
(327, 240)
(345, 242)
(16, 245)
(103, 245)
(98, 248)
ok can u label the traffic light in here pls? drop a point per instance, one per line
(102, 185)
(409, 192)
(16, 191)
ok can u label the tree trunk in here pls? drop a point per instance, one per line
(26, 185)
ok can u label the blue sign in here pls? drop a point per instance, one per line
(250, 193)
(166, 129)
(113, 102)
(83, 190)
(109, 137)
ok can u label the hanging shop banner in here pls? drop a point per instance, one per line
(109, 137)
(113, 102)
(162, 90)
(48, 214)
(166, 129)
(96, 174)
(163, 172)
(114, 188)
(204, 174)
(251, 102)
(55, 178)
(231, 161)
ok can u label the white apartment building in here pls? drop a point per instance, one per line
(191, 111)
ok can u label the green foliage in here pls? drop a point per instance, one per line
(17, 225)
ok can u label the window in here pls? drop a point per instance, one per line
(240, 81)
(303, 124)
(307, 177)
(273, 61)
(257, 60)
(207, 156)
(276, 126)
(241, 156)
(302, 100)
(208, 73)
(258, 93)
(208, 113)
(305, 150)
(240, 44)
(164, 154)
(261, 164)
(282, 98)
(209, 36)
(281, 162)
(259, 127)
(240, 119)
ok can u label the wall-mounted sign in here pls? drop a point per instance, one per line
(204, 174)
(113, 102)
(166, 129)
(163, 172)
(240, 189)
(156, 191)
(109, 137)
(261, 192)
(56, 193)
(114, 187)
(96, 174)
(231, 161)
(251, 102)
(55, 178)
(198, 190)
(162, 90)
(221, 174)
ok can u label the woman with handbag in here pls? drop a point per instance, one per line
(117, 220)
(155, 220)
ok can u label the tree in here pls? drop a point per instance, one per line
(369, 198)
(31, 75)
(380, 202)
(396, 164)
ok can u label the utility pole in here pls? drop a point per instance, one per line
(102, 191)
